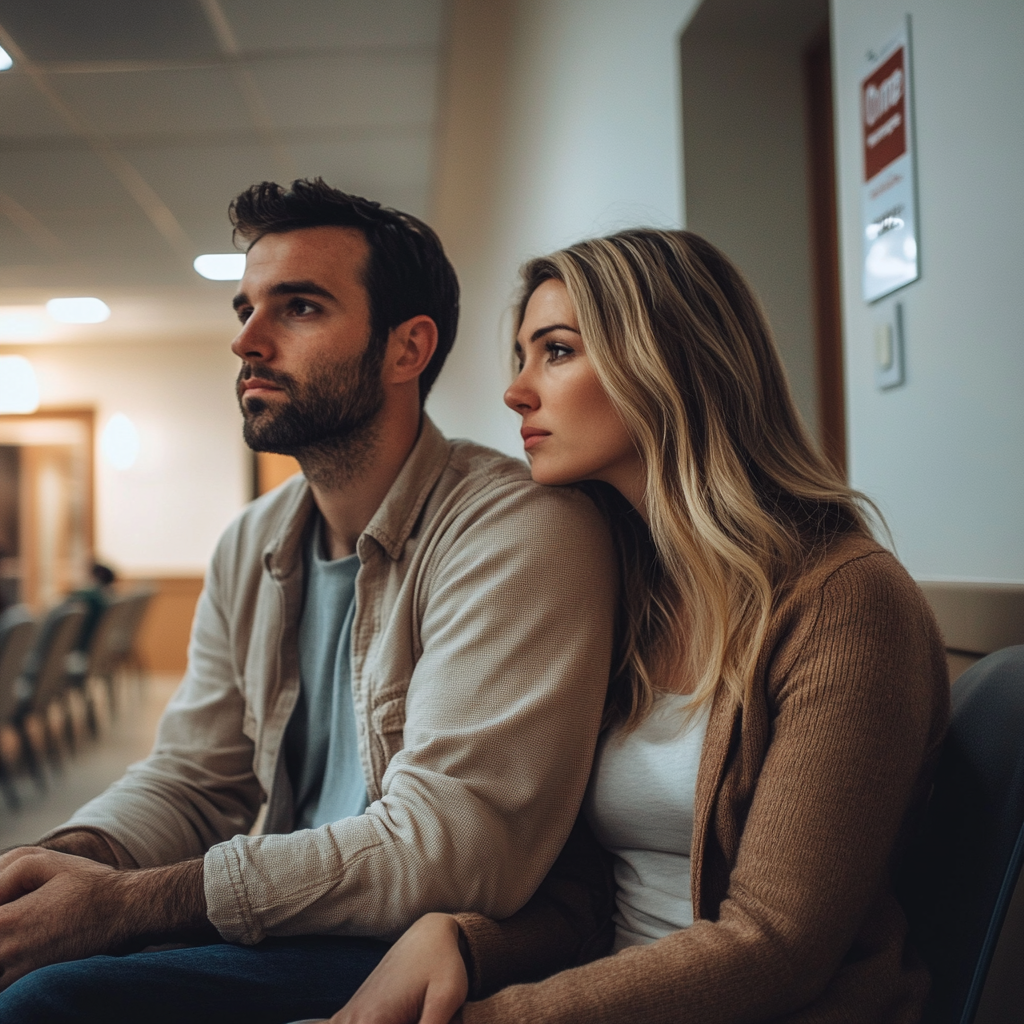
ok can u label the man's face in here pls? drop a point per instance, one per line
(310, 378)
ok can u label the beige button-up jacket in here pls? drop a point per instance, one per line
(480, 658)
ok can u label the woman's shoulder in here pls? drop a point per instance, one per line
(849, 567)
(856, 596)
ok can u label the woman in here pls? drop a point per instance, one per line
(782, 693)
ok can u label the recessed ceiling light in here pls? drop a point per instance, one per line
(81, 310)
(221, 266)
(6, 61)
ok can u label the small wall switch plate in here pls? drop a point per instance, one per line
(889, 351)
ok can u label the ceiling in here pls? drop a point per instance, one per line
(126, 128)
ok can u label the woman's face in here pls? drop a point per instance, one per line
(571, 431)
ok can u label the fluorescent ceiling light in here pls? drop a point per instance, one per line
(6, 61)
(81, 310)
(19, 389)
(221, 266)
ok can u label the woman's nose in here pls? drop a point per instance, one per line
(519, 397)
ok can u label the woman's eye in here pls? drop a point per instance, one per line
(557, 352)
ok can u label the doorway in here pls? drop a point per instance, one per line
(46, 504)
(760, 180)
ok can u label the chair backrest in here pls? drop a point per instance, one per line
(960, 873)
(18, 629)
(116, 631)
(46, 667)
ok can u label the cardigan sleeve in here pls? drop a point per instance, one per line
(568, 921)
(859, 707)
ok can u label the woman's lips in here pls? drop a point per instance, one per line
(532, 436)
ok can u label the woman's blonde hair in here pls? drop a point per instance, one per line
(738, 496)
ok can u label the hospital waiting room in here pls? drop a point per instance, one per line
(511, 510)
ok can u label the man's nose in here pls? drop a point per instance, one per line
(253, 342)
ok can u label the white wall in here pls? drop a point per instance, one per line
(163, 515)
(944, 455)
(583, 133)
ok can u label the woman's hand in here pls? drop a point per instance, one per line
(422, 978)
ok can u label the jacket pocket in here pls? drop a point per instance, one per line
(388, 725)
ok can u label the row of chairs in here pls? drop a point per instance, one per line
(42, 662)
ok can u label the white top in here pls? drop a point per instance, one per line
(640, 805)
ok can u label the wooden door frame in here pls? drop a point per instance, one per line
(817, 61)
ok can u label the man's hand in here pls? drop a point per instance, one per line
(56, 907)
(421, 978)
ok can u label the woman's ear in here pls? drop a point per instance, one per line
(411, 346)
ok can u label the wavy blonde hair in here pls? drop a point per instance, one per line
(739, 499)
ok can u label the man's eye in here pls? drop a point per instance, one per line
(302, 307)
(243, 314)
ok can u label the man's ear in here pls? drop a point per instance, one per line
(411, 346)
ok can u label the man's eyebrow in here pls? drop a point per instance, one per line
(552, 327)
(288, 288)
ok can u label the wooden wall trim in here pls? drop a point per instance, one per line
(162, 644)
(977, 618)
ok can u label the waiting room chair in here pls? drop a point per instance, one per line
(44, 677)
(113, 645)
(18, 629)
(961, 871)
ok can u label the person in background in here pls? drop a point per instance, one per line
(403, 652)
(96, 598)
(784, 701)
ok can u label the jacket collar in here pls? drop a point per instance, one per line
(395, 518)
(391, 523)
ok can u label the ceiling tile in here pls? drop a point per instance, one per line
(25, 112)
(44, 182)
(270, 24)
(349, 91)
(200, 100)
(107, 29)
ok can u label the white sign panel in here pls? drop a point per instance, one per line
(889, 218)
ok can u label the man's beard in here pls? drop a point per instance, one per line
(329, 422)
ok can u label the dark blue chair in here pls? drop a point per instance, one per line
(961, 870)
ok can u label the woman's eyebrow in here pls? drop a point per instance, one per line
(553, 327)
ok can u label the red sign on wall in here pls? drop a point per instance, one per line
(884, 114)
(888, 199)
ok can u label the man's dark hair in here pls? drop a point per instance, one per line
(407, 273)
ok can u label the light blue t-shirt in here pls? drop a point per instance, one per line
(321, 744)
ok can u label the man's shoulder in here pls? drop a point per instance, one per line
(477, 478)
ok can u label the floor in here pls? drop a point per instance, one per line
(124, 738)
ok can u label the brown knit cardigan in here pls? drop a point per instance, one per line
(802, 799)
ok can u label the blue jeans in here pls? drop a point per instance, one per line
(277, 981)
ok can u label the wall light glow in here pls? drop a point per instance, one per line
(119, 442)
(19, 389)
(6, 60)
(82, 310)
(19, 324)
(221, 266)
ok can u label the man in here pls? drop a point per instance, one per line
(403, 653)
